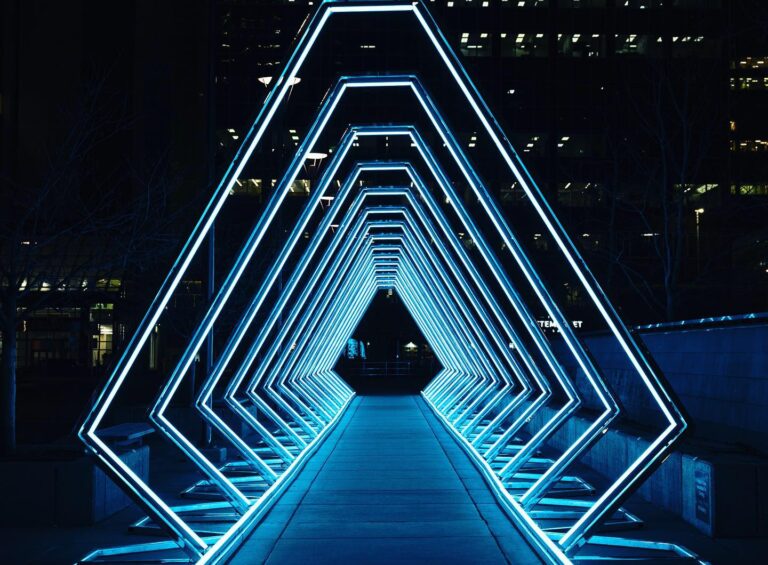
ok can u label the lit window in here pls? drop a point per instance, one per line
(695, 46)
(524, 45)
(108, 284)
(750, 145)
(581, 3)
(475, 45)
(577, 45)
(694, 190)
(760, 189)
(299, 187)
(634, 44)
(641, 4)
(251, 187)
(757, 63)
(512, 193)
(578, 195)
(534, 144)
(580, 145)
(749, 83)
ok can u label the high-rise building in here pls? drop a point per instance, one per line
(639, 119)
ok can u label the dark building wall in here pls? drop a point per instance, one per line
(48, 56)
(150, 64)
(589, 94)
(171, 89)
(140, 71)
(157, 55)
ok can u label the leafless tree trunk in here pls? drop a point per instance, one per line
(8, 376)
(679, 128)
(75, 225)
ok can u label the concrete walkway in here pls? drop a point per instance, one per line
(389, 486)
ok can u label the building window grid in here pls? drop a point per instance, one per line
(749, 83)
(621, 4)
(749, 145)
(54, 334)
(589, 44)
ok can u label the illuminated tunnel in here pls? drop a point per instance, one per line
(397, 206)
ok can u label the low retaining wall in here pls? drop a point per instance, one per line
(720, 376)
(64, 490)
(721, 494)
(717, 479)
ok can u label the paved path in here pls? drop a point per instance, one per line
(389, 486)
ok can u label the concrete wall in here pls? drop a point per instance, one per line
(721, 494)
(720, 375)
(64, 490)
(717, 479)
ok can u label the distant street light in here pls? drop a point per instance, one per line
(316, 156)
(698, 212)
(267, 80)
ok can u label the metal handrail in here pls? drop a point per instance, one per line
(717, 321)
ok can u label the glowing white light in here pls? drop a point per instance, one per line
(266, 81)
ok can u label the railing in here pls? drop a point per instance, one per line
(384, 369)
(714, 321)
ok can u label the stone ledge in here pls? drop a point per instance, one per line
(64, 489)
(721, 491)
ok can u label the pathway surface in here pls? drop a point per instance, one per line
(389, 486)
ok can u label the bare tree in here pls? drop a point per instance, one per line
(80, 222)
(678, 130)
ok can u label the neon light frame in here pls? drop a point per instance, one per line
(677, 423)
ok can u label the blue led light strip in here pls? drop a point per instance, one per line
(164, 515)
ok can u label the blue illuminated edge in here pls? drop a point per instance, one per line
(636, 356)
